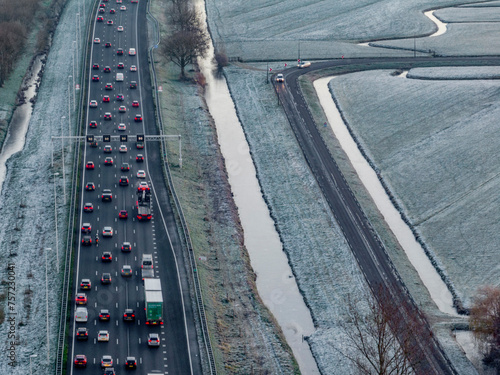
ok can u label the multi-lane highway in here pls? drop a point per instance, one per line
(122, 27)
(363, 241)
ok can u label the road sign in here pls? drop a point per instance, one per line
(160, 88)
(123, 138)
(90, 138)
(140, 137)
(77, 86)
(106, 138)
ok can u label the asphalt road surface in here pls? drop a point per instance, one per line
(363, 241)
(179, 351)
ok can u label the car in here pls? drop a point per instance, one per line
(129, 315)
(133, 68)
(133, 85)
(154, 340)
(90, 165)
(135, 103)
(119, 28)
(303, 64)
(81, 299)
(108, 86)
(94, 144)
(122, 127)
(120, 65)
(108, 116)
(122, 109)
(107, 232)
(123, 7)
(95, 78)
(126, 271)
(141, 173)
(123, 148)
(81, 315)
(143, 186)
(86, 241)
(109, 371)
(105, 98)
(123, 214)
(80, 360)
(103, 335)
(90, 186)
(112, 11)
(82, 333)
(135, 1)
(130, 363)
(119, 51)
(107, 69)
(126, 247)
(131, 52)
(93, 104)
(107, 45)
(93, 124)
(108, 160)
(139, 145)
(104, 315)
(95, 66)
(88, 207)
(106, 195)
(280, 78)
(86, 228)
(106, 361)
(123, 181)
(139, 158)
(110, 22)
(125, 167)
(85, 284)
(97, 40)
(120, 97)
(100, 19)
(107, 149)
(106, 278)
(102, 5)
(147, 261)
(138, 118)
(101, 10)
(107, 257)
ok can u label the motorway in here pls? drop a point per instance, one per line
(370, 253)
(179, 351)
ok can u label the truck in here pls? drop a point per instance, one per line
(143, 205)
(147, 273)
(153, 301)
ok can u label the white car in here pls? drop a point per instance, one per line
(123, 148)
(103, 336)
(123, 7)
(93, 104)
(304, 64)
(280, 78)
(133, 68)
(122, 109)
(81, 314)
(97, 40)
(120, 28)
(107, 232)
(141, 173)
(122, 127)
(131, 51)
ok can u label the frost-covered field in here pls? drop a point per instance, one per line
(433, 142)
(28, 226)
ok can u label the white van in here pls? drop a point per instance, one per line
(131, 51)
(119, 77)
(147, 261)
(81, 314)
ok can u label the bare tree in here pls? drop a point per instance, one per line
(380, 338)
(484, 322)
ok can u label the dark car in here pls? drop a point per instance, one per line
(112, 11)
(100, 19)
(85, 284)
(107, 69)
(106, 278)
(129, 315)
(110, 22)
(108, 86)
(120, 65)
(80, 360)
(86, 228)
(106, 195)
(108, 116)
(109, 371)
(104, 315)
(138, 118)
(82, 333)
(88, 207)
(108, 149)
(120, 97)
(102, 5)
(107, 256)
(94, 144)
(123, 214)
(125, 167)
(119, 51)
(95, 66)
(139, 158)
(95, 78)
(133, 85)
(93, 124)
(108, 160)
(130, 363)
(101, 10)
(126, 247)
(107, 45)
(139, 145)
(86, 241)
(123, 181)
(90, 186)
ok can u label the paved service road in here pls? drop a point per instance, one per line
(178, 352)
(368, 250)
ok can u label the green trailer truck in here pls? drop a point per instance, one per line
(154, 301)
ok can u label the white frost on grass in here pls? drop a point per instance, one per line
(27, 209)
(455, 73)
(438, 162)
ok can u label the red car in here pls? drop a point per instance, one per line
(80, 360)
(81, 299)
(123, 214)
(90, 165)
(105, 99)
(135, 103)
